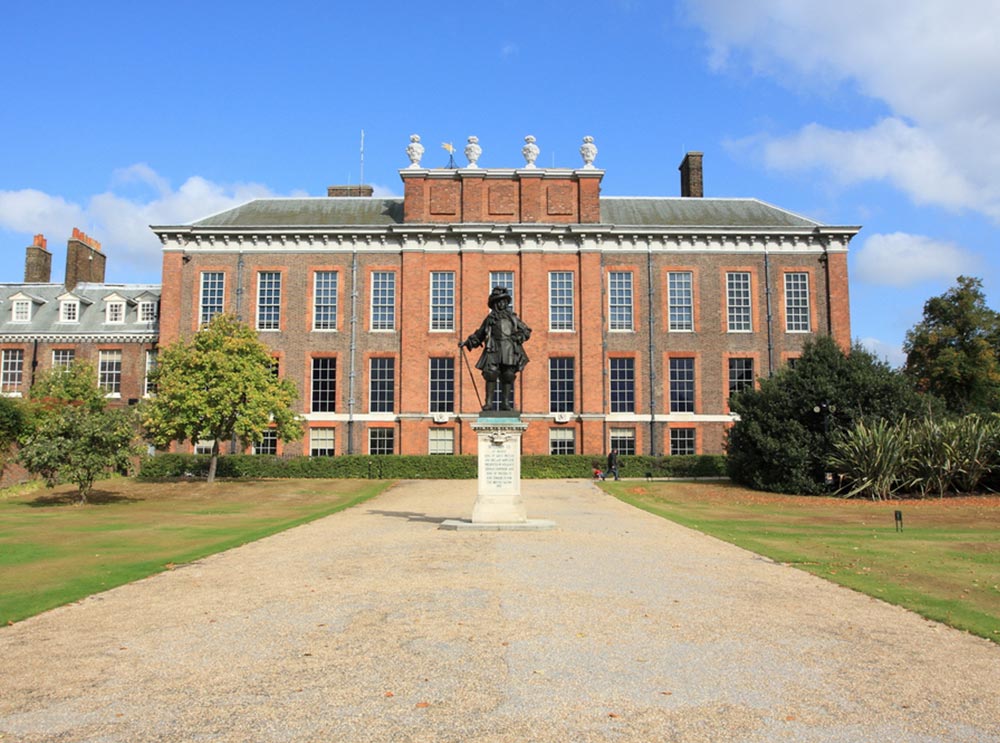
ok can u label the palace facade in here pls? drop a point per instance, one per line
(647, 312)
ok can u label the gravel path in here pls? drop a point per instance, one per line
(374, 625)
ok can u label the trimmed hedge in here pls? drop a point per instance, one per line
(423, 467)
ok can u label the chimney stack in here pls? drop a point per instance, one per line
(38, 262)
(84, 260)
(341, 191)
(691, 183)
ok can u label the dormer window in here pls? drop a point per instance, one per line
(21, 310)
(69, 310)
(147, 311)
(116, 312)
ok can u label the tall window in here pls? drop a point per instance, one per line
(268, 300)
(797, 302)
(268, 443)
(115, 312)
(63, 358)
(504, 279)
(11, 370)
(442, 385)
(560, 300)
(21, 310)
(381, 440)
(682, 385)
(382, 385)
(147, 312)
(441, 441)
(442, 300)
(740, 374)
(109, 372)
(738, 302)
(322, 442)
(620, 300)
(562, 441)
(69, 310)
(213, 294)
(148, 388)
(623, 440)
(325, 300)
(383, 300)
(622, 385)
(680, 300)
(324, 385)
(561, 385)
(682, 441)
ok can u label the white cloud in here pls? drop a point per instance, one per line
(933, 64)
(900, 260)
(509, 49)
(122, 223)
(888, 352)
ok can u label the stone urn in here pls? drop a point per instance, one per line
(588, 151)
(530, 151)
(414, 150)
(473, 151)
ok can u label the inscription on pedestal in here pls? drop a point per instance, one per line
(499, 466)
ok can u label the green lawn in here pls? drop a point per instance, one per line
(53, 552)
(944, 564)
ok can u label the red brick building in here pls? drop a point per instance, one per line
(646, 312)
(46, 325)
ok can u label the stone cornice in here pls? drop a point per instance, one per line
(79, 337)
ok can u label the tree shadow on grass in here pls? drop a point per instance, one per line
(71, 498)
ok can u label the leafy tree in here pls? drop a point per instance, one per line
(953, 351)
(71, 434)
(12, 422)
(785, 431)
(219, 385)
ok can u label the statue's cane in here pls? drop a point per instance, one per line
(471, 375)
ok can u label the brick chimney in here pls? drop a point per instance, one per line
(84, 260)
(691, 183)
(38, 262)
(341, 191)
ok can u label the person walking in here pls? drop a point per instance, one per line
(613, 463)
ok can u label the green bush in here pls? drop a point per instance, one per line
(422, 467)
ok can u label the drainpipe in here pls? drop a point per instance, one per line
(239, 285)
(354, 348)
(825, 260)
(652, 365)
(767, 297)
(34, 362)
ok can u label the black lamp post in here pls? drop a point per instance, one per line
(826, 410)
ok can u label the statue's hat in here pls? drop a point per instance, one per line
(496, 295)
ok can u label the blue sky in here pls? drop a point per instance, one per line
(877, 113)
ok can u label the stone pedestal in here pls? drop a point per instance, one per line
(498, 498)
(498, 504)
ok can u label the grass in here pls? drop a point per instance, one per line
(944, 564)
(53, 552)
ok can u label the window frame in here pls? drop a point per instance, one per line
(562, 441)
(382, 384)
(739, 302)
(798, 302)
(211, 296)
(322, 435)
(11, 371)
(441, 441)
(323, 388)
(442, 301)
(21, 304)
(147, 311)
(682, 376)
(114, 309)
(269, 290)
(441, 384)
(680, 300)
(386, 434)
(62, 364)
(622, 440)
(621, 302)
(562, 398)
(64, 310)
(109, 371)
(621, 389)
(562, 298)
(328, 308)
(382, 306)
(689, 441)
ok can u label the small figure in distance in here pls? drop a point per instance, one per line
(613, 463)
(502, 336)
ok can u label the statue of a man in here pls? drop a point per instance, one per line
(502, 336)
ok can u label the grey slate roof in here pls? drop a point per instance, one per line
(45, 319)
(615, 210)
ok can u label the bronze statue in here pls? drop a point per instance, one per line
(502, 336)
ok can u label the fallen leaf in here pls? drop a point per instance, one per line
(789, 718)
(422, 705)
(170, 566)
(666, 693)
(389, 694)
(612, 714)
